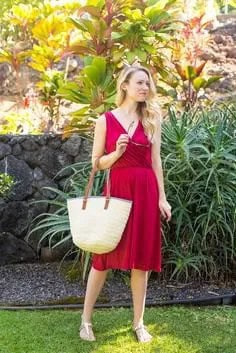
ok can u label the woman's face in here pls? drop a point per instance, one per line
(138, 86)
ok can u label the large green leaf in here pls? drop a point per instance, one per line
(190, 72)
(199, 82)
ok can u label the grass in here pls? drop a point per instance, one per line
(176, 330)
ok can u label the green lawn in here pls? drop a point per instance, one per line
(176, 330)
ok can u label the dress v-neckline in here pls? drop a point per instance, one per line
(131, 137)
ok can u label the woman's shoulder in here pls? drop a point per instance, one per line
(102, 119)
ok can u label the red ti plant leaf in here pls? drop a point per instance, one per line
(181, 71)
(200, 68)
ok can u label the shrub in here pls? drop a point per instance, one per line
(6, 184)
(198, 152)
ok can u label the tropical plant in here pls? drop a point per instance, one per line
(8, 30)
(186, 83)
(51, 34)
(54, 224)
(23, 16)
(18, 123)
(15, 57)
(108, 33)
(198, 152)
(50, 83)
(93, 91)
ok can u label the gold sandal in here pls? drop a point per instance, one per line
(142, 334)
(86, 331)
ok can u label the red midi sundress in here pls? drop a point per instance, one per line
(133, 178)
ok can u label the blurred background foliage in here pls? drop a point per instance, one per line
(167, 36)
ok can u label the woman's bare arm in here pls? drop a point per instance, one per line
(98, 149)
(164, 205)
(156, 160)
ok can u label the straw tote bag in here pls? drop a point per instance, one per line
(97, 222)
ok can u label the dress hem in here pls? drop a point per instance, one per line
(127, 268)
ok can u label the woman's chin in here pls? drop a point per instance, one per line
(140, 100)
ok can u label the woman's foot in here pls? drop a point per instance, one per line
(142, 334)
(86, 331)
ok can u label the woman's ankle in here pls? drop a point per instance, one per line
(86, 318)
(137, 323)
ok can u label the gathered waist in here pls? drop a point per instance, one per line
(131, 166)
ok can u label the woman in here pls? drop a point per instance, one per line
(128, 141)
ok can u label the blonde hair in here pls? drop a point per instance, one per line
(148, 110)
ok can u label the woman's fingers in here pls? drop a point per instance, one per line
(122, 142)
(123, 138)
(166, 213)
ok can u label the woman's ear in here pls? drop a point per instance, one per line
(123, 87)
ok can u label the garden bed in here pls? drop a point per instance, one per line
(44, 283)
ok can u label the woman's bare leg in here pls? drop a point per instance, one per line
(139, 287)
(96, 280)
(139, 280)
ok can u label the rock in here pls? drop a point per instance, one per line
(45, 182)
(17, 139)
(218, 58)
(4, 150)
(54, 143)
(16, 149)
(41, 139)
(219, 39)
(207, 56)
(13, 250)
(223, 86)
(4, 138)
(73, 64)
(48, 160)
(4, 73)
(85, 150)
(72, 145)
(14, 217)
(231, 53)
(38, 174)
(30, 144)
(35, 210)
(22, 174)
(217, 72)
(52, 254)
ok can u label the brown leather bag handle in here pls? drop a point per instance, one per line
(90, 184)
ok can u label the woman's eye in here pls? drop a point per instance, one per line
(147, 83)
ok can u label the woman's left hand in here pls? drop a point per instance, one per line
(165, 209)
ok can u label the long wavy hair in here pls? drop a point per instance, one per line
(149, 110)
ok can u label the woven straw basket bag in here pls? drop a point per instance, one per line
(97, 222)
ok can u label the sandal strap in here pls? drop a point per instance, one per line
(86, 326)
(141, 332)
(140, 327)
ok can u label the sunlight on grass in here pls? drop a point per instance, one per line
(175, 330)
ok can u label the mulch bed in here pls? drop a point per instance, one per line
(44, 283)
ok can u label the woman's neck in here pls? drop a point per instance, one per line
(129, 109)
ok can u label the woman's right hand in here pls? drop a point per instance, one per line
(121, 144)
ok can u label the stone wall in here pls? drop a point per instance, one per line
(34, 162)
(221, 59)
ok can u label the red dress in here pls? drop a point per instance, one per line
(133, 178)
